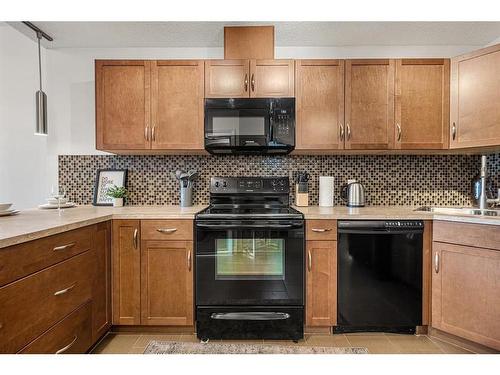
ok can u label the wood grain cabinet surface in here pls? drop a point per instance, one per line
(475, 94)
(321, 283)
(248, 42)
(369, 104)
(422, 104)
(319, 104)
(465, 280)
(167, 283)
(126, 272)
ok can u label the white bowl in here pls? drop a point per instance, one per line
(5, 206)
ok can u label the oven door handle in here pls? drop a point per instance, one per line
(244, 226)
(255, 315)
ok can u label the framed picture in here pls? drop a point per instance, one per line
(105, 179)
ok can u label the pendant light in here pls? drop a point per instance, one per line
(40, 96)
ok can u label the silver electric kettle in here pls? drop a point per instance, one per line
(353, 193)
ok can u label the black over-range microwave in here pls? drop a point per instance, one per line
(250, 125)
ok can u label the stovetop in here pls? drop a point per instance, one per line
(215, 212)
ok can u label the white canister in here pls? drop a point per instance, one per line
(117, 202)
(326, 191)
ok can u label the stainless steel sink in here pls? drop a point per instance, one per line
(459, 211)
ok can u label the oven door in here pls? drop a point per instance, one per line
(258, 262)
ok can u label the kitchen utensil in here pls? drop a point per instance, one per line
(353, 193)
(5, 206)
(301, 189)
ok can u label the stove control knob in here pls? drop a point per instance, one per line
(217, 184)
(224, 184)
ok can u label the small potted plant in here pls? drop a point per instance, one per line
(117, 193)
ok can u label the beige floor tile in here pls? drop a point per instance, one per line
(116, 344)
(241, 341)
(136, 350)
(375, 343)
(411, 344)
(449, 348)
(144, 340)
(188, 338)
(338, 340)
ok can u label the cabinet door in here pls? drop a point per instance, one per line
(227, 79)
(271, 78)
(101, 295)
(320, 104)
(422, 103)
(369, 104)
(167, 283)
(122, 104)
(465, 292)
(321, 290)
(475, 94)
(177, 104)
(126, 272)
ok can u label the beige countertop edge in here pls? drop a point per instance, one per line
(97, 215)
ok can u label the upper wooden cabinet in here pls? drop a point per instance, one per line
(422, 103)
(149, 105)
(249, 78)
(177, 104)
(123, 96)
(369, 104)
(475, 94)
(227, 79)
(319, 104)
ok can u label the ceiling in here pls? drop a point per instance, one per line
(210, 34)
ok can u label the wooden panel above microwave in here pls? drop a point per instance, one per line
(249, 42)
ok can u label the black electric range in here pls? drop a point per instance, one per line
(249, 261)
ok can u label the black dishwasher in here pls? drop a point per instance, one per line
(379, 276)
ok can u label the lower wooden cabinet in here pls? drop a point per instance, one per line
(153, 272)
(72, 335)
(465, 292)
(126, 272)
(167, 283)
(321, 283)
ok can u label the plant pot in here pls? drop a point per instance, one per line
(117, 202)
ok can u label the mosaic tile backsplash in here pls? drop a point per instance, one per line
(388, 179)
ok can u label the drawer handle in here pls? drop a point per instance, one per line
(321, 230)
(166, 230)
(64, 247)
(62, 350)
(62, 291)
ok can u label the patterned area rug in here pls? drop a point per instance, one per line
(172, 347)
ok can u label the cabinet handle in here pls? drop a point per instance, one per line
(436, 262)
(348, 127)
(62, 350)
(453, 131)
(399, 132)
(153, 133)
(246, 82)
(341, 126)
(189, 260)
(63, 291)
(146, 133)
(253, 82)
(64, 247)
(136, 232)
(321, 230)
(166, 230)
(309, 261)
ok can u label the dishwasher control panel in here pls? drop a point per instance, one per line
(404, 224)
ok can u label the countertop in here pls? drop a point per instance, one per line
(35, 223)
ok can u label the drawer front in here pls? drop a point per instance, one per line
(318, 230)
(167, 230)
(32, 305)
(24, 259)
(476, 235)
(72, 335)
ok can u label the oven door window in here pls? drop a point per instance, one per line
(250, 258)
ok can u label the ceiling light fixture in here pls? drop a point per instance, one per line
(40, 96)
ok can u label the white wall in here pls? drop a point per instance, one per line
(70, 77)
(23, 161)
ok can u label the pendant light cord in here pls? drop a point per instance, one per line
(39, 37)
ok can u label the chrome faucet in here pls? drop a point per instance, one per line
(484, 201)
